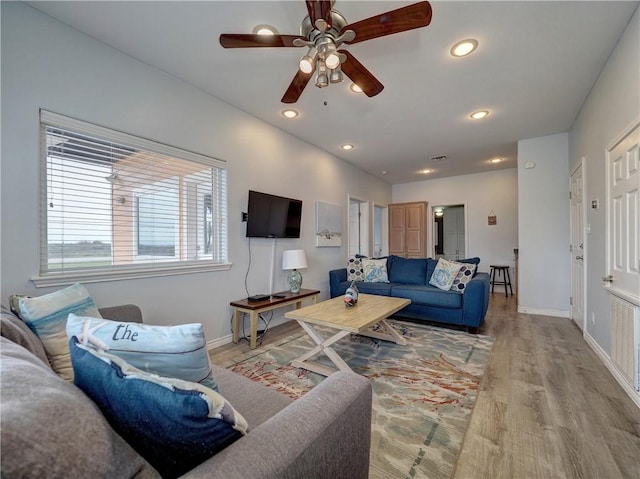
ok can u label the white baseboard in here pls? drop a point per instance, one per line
(604, 357)
(216, 343)
(544, 312)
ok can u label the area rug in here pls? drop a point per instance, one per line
(423, 393)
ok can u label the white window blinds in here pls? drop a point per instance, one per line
(113, 202)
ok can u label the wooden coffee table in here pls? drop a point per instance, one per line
(371, 310)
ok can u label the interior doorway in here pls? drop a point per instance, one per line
(379, 231)
(449, 232)
(358, 227)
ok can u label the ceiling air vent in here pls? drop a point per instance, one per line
(438, 158)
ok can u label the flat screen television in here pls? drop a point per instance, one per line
(271, 216)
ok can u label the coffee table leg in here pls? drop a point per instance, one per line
(323, 346)
(386, 332)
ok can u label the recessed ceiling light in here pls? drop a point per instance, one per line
(464, 47)
(355, 88)
(347, 147)
(495, 160)
(478, 115)
(426, 171)
(384, 172)
(264, 30)
(290, 113)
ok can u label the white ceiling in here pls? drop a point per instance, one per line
(533, 69)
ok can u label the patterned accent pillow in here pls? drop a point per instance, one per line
(444, 274)
(354, 269)
(463, 277)
(47, 317)
(173, 424)
(375, 270)
(171, 351)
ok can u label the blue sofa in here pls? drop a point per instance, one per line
(409, 278)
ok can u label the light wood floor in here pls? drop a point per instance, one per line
(548, 407)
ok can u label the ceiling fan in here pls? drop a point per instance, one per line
(323, 31)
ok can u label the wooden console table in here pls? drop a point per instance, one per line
(254, 308)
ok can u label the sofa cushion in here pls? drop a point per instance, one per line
(383, 289)
(408, 270)
(444, 274)
(172, 351)
(15, 330)
(51, 429)
(431, 267)
(174, 424)
(354, 269)
(47, 317)
(424, 294)
(463, 277)
(375, 270)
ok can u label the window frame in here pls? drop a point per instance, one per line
(133, 271)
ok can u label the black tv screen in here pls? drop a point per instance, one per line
(271, 216)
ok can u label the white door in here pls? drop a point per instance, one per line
(623, 163)
(577, 247)
(358, 227)
(453, 227)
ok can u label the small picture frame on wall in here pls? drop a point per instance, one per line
(328, 225)
(492, 219)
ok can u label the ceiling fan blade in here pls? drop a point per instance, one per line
(362, 77)
(406, 18)
(319, 9)
(250, 40)
(295, 88)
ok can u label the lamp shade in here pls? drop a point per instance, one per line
(294, 259)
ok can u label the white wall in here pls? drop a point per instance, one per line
(612, 106)
(46, 64)
(480, 193)
(543, 206)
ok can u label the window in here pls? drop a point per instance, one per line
(116, 205)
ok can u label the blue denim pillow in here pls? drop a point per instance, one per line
(408, 270)
(431, 267)
(175, 425)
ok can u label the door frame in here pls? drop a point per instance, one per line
(607, 286)
(431, 245)
(582, 164)
(364, 224)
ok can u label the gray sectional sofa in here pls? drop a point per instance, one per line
(409, 278)
(51, 429)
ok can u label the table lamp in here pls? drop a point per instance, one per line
(294, 259)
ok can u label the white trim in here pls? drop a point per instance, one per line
(606, 360)
(545, 312)
(66, 279)
(216, 343)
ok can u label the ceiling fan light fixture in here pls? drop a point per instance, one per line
(322, 80)
(332, 60)
(464, 47)
(479, 115)
(307, 62)
(335, 76)
(355, 88)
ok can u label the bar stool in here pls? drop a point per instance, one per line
(503, 271)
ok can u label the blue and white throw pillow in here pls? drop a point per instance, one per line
(173, 424)
(444, 274)
(46, 315)
(354, 269)
(375, 270)
(171, 351)
(463, 277)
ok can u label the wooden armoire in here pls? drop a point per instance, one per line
(408, 229)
